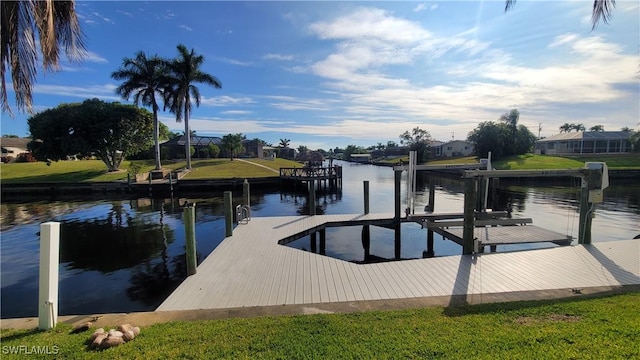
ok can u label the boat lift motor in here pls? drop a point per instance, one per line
(598, 181)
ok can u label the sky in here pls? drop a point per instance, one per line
(330, 74)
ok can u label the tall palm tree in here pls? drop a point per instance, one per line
(185, 71)
(601, 10)
(57, 27)
(284, 143)
(565, 128)
(144, 78)
(511, 119)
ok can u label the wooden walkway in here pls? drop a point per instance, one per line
(252, 269)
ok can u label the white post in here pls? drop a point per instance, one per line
(49, 260)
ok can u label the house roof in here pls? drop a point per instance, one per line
(195, 141)
(20, 143)
(588, 135)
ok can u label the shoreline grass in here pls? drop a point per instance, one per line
(587, 328)
(95, 170)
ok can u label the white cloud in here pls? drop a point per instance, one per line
(185, 27)
(234, 61)
(95, 58)
(293, 103)
(236, 112)
(420, 7)
(283, 57)
(488, 81)
(563, 39)
(124, 13)
(105, 92)
(226, 100)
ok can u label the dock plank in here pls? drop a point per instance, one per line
(251, 268)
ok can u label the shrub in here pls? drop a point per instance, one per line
(26, 157)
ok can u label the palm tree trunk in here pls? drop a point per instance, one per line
(156, 141)
(187, 132)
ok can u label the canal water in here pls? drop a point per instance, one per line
(127, 254)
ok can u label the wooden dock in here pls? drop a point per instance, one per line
(250, 268)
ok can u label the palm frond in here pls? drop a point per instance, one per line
(601, 12)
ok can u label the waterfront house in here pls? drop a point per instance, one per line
(585, 142)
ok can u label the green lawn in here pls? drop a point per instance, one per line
(579, 328)
(530, 161)
(95, 170)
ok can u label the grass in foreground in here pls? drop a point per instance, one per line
(597, 328)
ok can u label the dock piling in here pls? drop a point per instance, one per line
(228, 214)
(49, 262)
(189, 213)
(366, 196)
(470, 196)
(396, 220)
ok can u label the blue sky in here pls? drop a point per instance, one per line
(327, 74)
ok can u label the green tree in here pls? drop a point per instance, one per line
(353, 149)
(185, 72)
(302, 149)
(498, 138)
(417, 140)
(232, 143)
(11, 136)
(56, 25)
(144, 78)
(110, 131)
(634, 141)
(601, 10)
(596, 128)
(214, 150)
(163, 132)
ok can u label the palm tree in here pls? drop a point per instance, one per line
(57, 27)
(511, 119)
(233, 143)
(601, 11)
(284, 143)
(596, 128)
(184, 72)
(565, 128)
(143, 78)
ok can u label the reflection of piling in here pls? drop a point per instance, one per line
(190, 237)
(366, 242)
(312, 197)
(314, 242)
(228, 214)
(432, 195)
(323, 241)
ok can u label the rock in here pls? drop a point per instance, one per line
(136, 330)
(115, 333)
(82, 327)
(96, 333)
(128, 335)
(125, 327)
(112, 341)
(98, 340)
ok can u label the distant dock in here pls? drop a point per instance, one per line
(325, 177)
